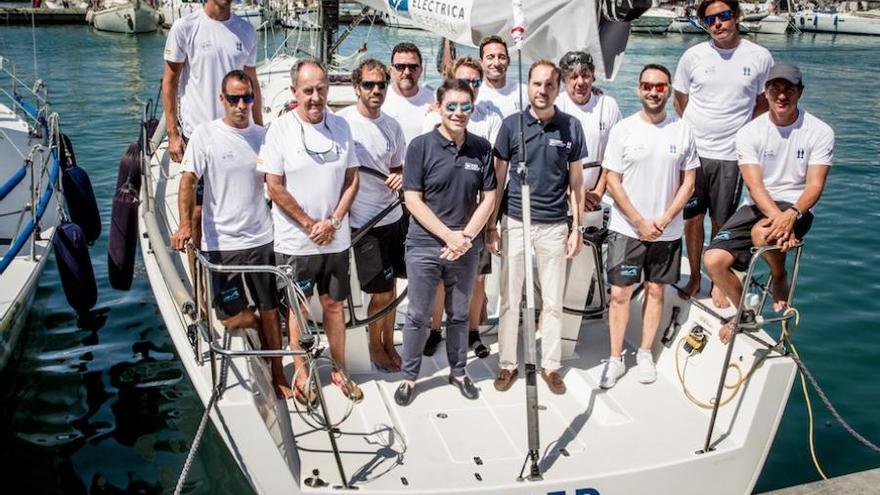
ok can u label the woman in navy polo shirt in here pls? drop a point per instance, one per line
(449, 188)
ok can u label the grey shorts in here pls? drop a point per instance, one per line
(229, 296)
(717, 190)
(328, 272)
(630, 260)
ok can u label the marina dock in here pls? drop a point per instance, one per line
(24, 16)
(861, 483)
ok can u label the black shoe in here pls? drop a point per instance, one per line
(476, 344)
(404, 394)
(434, 338)
(466, 387)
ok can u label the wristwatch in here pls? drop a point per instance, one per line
(335, 222)
(798, 213)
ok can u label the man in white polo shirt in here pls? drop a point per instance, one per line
(499, 94)
(236, 223)
(785, 157)
(379, 253)
(311, 175)
(597, 112)
(651, 161)
(718, 86)
(407, 102)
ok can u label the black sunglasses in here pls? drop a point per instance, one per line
(369, 85)
(724, 16)
(403, 67)
(234, 99)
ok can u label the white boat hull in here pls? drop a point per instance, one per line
(655, 21)
(631, 439)
(126, 19)
(172, 10)
(822, 22)
(771, 24)
(686, 25)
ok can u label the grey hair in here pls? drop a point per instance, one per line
(302, 62)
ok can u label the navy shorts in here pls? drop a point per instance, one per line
(630, 260)
(379, 257)
(328, 272)
(717, 190)
(735, 236)
(229, 297)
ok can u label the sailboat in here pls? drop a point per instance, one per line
(831, 21)
(171, 10)
(124, 16)
(632, 439)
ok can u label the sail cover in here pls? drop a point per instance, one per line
(553, 27)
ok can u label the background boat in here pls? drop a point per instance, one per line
(768, 24)
(656, 20)
(171, 10)
(821, 21)
(124, 16)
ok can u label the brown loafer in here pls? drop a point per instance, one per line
(554, 381)
(505, 380)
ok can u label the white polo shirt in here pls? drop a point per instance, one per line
(650, 158)
(484, 123)
(409, 112)
(209, 50)
(504, 101)
(314, 173)
(235, 214)
(722, 86)
(380, 146)
(597, 116)
(785, 153)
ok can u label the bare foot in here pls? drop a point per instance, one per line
(780, 293)
(725, 332)
(693, 286)
(395, 357)
(718, 298)
(381, 359)
(283, 391)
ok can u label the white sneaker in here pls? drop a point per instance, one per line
(647, 370)
(613, 369)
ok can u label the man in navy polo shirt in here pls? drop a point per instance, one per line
(444, 174)
(554, 149)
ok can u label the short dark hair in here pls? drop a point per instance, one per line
(454, 85)
(732, 4)
(547, 63)
(370, 64)
(406, 47)
(659, 67)
(238, 75)
(488, 40)
(302, 62)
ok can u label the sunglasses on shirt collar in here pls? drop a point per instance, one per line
(726, 15)
(234, 99)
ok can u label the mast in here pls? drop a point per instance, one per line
(329, 18)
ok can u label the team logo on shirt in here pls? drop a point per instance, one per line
(227, 155)
(709, 70)
(473, 167)
(207, 44)
(238, 45)
(747, 71)
(558, 143)
(800, 154)
(673, 149)
(602, 125)
(769, 154)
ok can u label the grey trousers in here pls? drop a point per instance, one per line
(425, 270)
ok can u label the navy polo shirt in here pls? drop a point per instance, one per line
(550, 147)
(450, 180)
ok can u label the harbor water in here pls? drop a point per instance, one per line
(101, 404)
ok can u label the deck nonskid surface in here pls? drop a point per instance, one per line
(445, 440)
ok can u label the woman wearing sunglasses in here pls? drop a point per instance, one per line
(449, 187)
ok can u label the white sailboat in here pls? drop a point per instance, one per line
(656, 20)
(29, 199)
(821, 21)
(124, 16)
(630, 439)
(255, 13)
(768, 24)
(171, 10)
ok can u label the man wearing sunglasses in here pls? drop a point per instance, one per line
(237, 226)
(554, 149)
(311, 175)
(483, 122)
(651, 161)
(718, 89)
(379, 254)
(407, 102)
(449, 185)
(785, 157)
(499, 94)
(597, 113)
